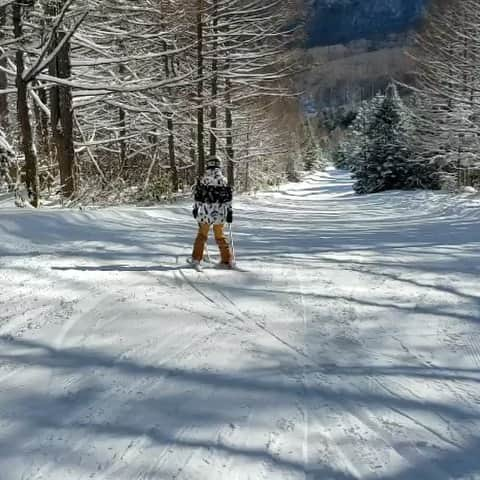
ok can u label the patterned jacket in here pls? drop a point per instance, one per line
(213, 198)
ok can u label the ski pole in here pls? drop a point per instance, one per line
(230, 239)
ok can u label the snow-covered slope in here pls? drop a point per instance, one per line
(349, 348)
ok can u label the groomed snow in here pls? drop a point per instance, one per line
(349, 348)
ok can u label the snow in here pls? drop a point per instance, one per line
(348, 348)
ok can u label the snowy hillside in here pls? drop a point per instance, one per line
(349, 348)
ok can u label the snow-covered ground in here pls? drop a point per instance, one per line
(348, 348)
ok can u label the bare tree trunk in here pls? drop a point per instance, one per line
(200, 82)
(122, 120)
(23, 111)
(171, 153)
(229, 126)
(214, 85)
(122, 133)
(229, 142)
(170, 125)
(247, 163)
(192, 151)
(4, 121)
(67, 158)
(43, 139)
(62, 113)
(41, 126)
(290, 171)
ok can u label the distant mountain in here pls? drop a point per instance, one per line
(355, 47)
(342, 21)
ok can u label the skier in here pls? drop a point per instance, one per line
(213, 206)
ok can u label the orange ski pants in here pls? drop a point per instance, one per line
(201, 240)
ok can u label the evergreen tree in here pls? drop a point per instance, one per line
(311, 150)
(352, 149)
(385, 160)
(341, 155)
(377, 148)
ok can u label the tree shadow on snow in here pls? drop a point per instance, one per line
(177, 414)
(122, 268)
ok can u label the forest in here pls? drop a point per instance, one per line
(429, 136)
(109, 101)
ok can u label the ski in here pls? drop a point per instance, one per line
(221, 266)
(236, 268)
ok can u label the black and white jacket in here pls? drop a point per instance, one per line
(213, 198)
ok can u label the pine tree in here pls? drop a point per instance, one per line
(382, 155)
(311, 150)
(384, 162)
(352, 149)
(341, 155)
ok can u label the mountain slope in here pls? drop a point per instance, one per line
(341, 21)
(356, 47)
(348, 350)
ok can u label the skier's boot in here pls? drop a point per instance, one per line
(196, 264)
(226, 265)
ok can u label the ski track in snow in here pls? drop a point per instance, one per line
(349, 348)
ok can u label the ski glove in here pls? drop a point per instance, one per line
(229, 216)
(195, 211)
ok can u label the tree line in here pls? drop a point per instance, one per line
(429, 138)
